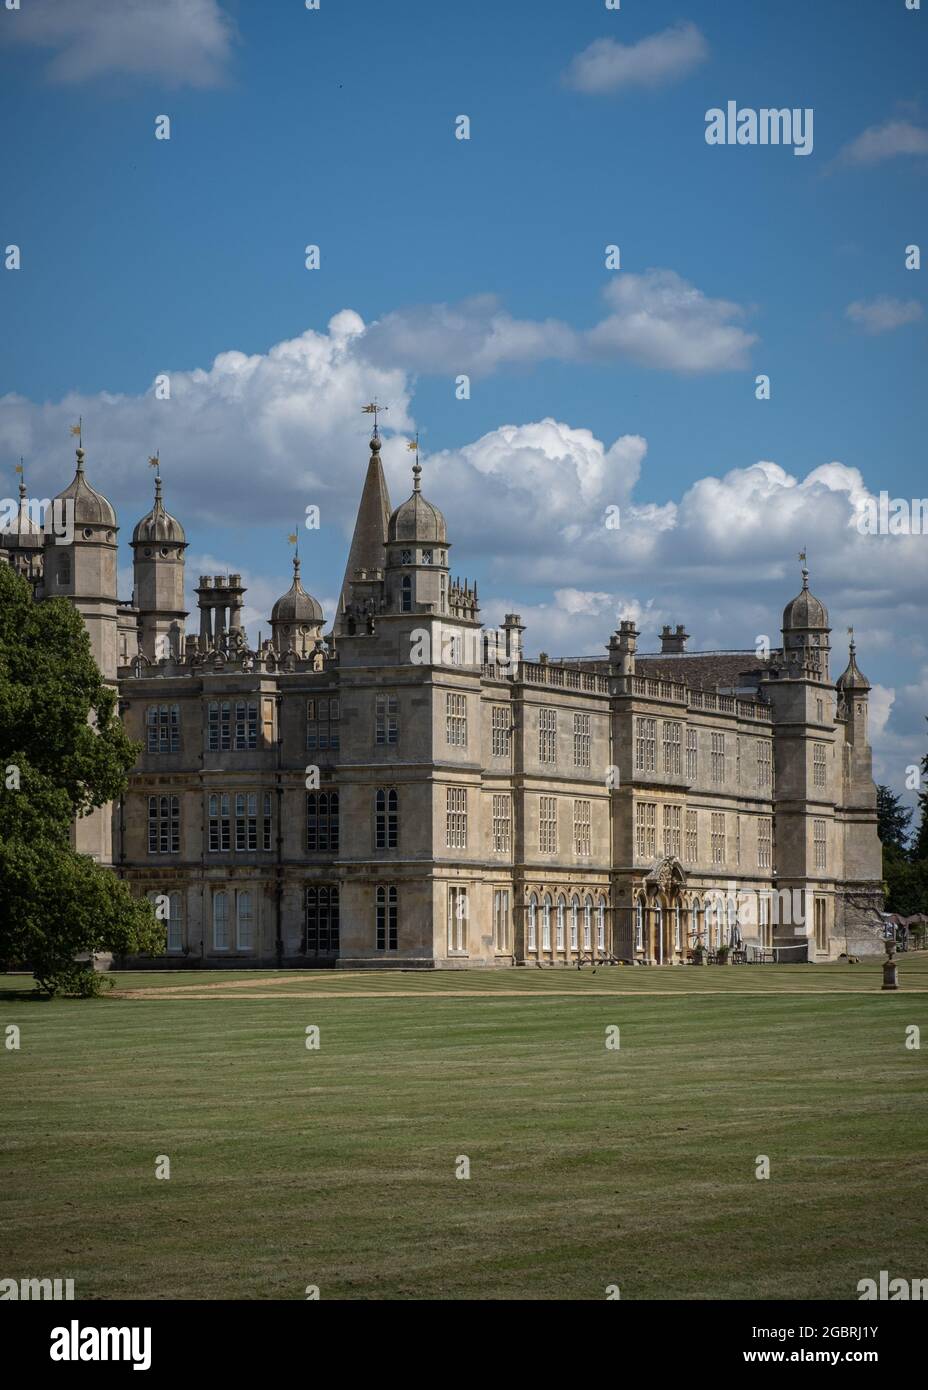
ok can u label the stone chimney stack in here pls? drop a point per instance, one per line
(622, 647)
(673, 643)
(204, 595)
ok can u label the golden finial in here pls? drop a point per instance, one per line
(417, 467)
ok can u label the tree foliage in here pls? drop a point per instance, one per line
(905, 855)
(893, 819)
(63, 752)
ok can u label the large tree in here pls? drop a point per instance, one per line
(893, 819)
(63, 752)
(920, 843)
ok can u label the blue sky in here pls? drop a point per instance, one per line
(336, 127)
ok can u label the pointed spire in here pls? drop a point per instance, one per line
(370, 528)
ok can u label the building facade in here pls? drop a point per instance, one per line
(406, 790)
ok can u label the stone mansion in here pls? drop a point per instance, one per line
(391, 786)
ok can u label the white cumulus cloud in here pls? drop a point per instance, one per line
(887, 141)
(659, 320)
(609, 66)
(180, 42)
(882, 314)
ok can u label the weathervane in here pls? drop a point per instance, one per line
(373, 409)
(413, 445)
(78, 429)
(155, 463)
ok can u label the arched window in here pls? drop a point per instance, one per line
(697, 923)
(533, 923)
(677, 929)
(386, 818)
(220, 921)
(546, 923)
(244, 921)
(601, 924)
(560, 921)
(574, 922)
(407, 594)
(587, 923)
(639, 925)
(732, 921)
(321, 821)
(321, 919)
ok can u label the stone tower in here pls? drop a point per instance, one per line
(158, 545)
(85, 573)
(863, 858)
(417, 578)
(85, 570)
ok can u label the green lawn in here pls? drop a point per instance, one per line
(589, 1167)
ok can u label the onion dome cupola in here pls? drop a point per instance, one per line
(22, 539)
(805, 612)
(416, 520)
(80, 555)
(417, 553)
(853, 697)
(852, 678)
(806, 632)
(296, 618)
(158, 527)
(91, 508)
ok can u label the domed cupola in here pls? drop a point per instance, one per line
(80, 563)
(417, 520)
(91, 508)
(852, 679)
(296, 618)
(417, 553)
(805, 612)
(158, 526)
(806, 633)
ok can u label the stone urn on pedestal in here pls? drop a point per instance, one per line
(890, 965)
